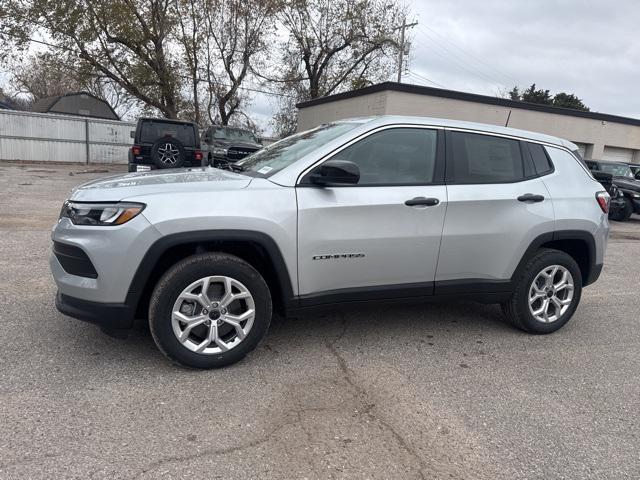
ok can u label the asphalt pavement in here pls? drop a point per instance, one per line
(442, 390)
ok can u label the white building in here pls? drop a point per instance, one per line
(598, 135)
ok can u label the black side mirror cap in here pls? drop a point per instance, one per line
(335, 172)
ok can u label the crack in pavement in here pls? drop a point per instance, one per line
(369, 406)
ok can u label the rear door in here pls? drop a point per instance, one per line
(375, 238)
(497, 204)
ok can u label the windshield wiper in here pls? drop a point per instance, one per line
(236, 168)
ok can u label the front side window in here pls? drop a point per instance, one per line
(397, 156)
(477, 158)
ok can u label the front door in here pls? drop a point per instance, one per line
(381, 237)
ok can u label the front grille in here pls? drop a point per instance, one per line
(74, 261)
(236, 153)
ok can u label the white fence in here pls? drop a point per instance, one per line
(57, 138)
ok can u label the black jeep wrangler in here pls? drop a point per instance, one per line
(229, 144)
(163, 143)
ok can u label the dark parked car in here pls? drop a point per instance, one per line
(624, 180)
(228, 145)
(617, 202)
(162, 143)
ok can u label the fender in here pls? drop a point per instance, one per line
(592, 270)
(162, 245)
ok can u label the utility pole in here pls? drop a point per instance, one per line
(401, 47)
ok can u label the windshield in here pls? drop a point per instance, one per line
(234, 134)
(281, 154)
(620, 170)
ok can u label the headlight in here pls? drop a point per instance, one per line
(221, 151)
(635, 195)
(100, 214)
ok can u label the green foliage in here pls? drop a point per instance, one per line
(533, 95)
(569, 100)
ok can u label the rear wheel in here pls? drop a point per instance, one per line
(547, 293)
(209, 311)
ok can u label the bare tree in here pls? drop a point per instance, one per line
(236, 39)
(125, 41)
(336, 44)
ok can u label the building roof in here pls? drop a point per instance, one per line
(47, 105)
(469, 97)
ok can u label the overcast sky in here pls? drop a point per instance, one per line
(589, 48)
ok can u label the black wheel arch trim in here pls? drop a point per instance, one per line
(163, 244)
(593, 269)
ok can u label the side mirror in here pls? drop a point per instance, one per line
(335, 172)
(132, 134)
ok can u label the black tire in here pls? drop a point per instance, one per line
(517, 308)
(168, 143)
(625, 213)
(181, 275)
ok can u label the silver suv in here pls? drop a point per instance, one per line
(358, 210)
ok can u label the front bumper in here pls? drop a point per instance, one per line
(114, 252)
(109, 316)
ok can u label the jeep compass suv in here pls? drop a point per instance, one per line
(357, 210)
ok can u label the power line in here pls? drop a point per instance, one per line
(470, 55)
(460, 63)
(422, 77)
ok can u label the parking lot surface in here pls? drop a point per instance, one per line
(442, 390)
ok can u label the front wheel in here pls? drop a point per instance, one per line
(547, 293)
(209, 310)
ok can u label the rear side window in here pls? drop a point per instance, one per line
(152, 131)
(540, 158)
(477, 158)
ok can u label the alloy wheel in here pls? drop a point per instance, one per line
(213, 315)
(168, 153)
(551, 293)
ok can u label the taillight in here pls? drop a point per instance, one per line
(198, 156)
(603, 201)
(136, 150)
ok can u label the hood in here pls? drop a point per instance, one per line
(120, 187)
(220, 142)
(627, 183)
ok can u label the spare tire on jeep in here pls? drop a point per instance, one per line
(168, 152)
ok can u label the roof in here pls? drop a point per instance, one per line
(42, 105)
(166, 120)
(469, 97)
(46, 104)
(383, 120)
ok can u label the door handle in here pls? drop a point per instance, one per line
(422, 201)
(531, 198)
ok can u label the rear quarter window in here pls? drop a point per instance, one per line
(541, 160)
